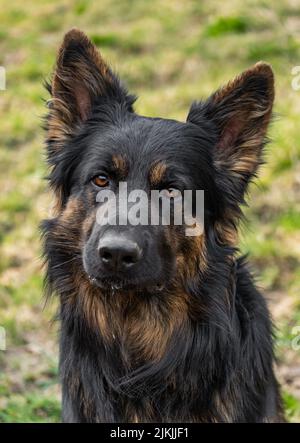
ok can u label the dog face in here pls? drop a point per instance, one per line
(96, 141)
(146, 154)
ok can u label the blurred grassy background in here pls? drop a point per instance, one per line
(169, 53)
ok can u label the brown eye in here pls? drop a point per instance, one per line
(101, 181)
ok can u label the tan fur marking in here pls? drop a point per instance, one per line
(157, 173)
(227, 235)
(190, 263)
(87, 224)
(144, 328)
(58, 202)
(72, 210)
(68, 229)
(120, 164)
(149, 331)
(91, 303)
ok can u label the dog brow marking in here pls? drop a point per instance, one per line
(157, 172)
(120, 163)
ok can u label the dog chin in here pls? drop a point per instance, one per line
(113, 285)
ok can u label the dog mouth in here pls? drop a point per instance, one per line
(113, 284)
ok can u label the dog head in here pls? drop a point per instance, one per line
(96, 142)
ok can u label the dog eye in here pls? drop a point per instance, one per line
(171, 193)
(101, 181)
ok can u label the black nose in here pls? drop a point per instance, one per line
(118, 253)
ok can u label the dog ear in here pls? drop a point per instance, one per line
(81, 78)
(240, 113)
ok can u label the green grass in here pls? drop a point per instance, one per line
(227, 25)
(31, 408)
(292, 406)
(169, 53)
(273, 49)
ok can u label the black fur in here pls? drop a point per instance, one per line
(218, 362)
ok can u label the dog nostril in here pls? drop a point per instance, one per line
(128, 259)
(105, 256)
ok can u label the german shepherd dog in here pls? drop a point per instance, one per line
(156, 325)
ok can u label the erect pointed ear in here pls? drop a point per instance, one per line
(240, 113)
(80, 79)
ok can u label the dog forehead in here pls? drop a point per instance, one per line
(151, 137)
(142, 147)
